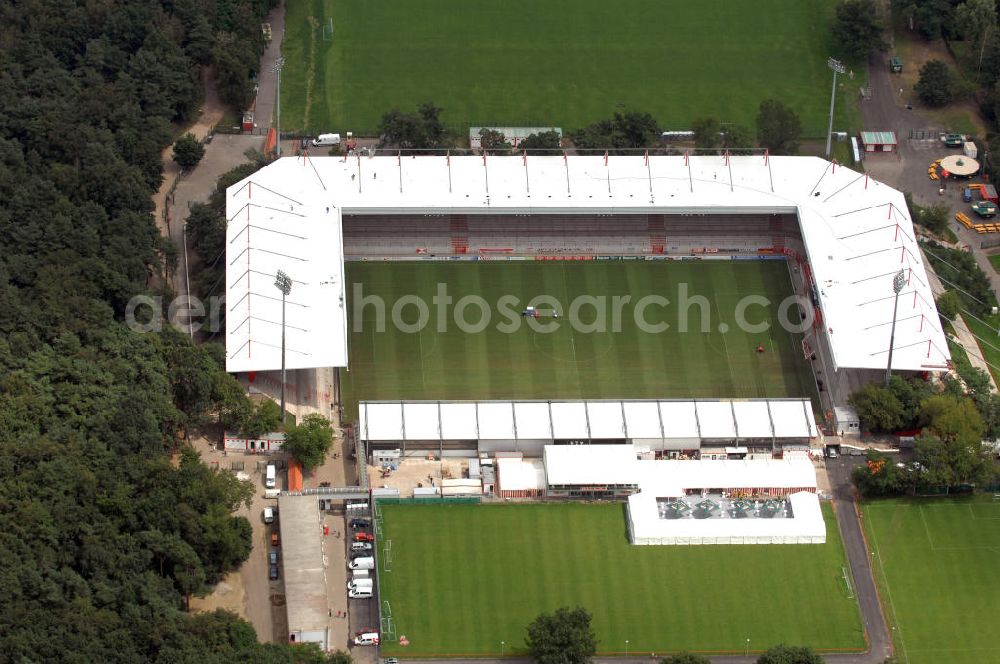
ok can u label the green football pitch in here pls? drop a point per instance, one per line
(620, 360)
(563, 62)
(463, 578)
(936, 562)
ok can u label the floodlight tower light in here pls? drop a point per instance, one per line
(898, 282)
(283, 283)
(838, 68)
(278, 64)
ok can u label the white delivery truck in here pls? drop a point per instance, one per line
(361, 574)
(366, 639)
(358, 584)
(367, 562)
(270, 476)
(361, 593)
(326, 139)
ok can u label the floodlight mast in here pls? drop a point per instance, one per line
(838, 68)
(278, 64)
(283, 283)
(898, 282)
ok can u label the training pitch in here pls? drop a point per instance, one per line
(463, 578)
(563, 63)
(573, 362)
(936, 564)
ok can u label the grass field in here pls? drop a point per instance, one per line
(564, 63)
(572, 362)
(465, 577)
(936, 562)
(995, 261)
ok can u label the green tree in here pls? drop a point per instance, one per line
(541, 143)
(493, 142)
(310, 441)
(686, 658)
(976, 21)
(737, 139)
(265, 417)
(857, 30)
(421, 130)
(925, 16)
(935, 87)
(948, 305)
(563, 637)
(625, 130)
(188, 151)
(790, 655)
(778, 127)
(880, 476)
(707, 132)
(878, 408)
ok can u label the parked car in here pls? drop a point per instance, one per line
(361, 546)
(358, 524)
(269, 514)
(367, 637)
(364, 537)
(275, 539)
(273, 557)
(273, 574)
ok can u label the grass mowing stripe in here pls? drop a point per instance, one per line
(567, 63)
(630, 363)
(455, 563)
(936, 567)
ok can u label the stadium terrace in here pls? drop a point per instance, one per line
(845, 235)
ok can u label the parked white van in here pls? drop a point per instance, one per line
(358, 584)
(272, 494)
(362, 563)
(268, 515)
(270, 477)
(326, 139)
(361, 574)
(361, 593)
(366, 639)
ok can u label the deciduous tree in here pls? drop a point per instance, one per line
(309, 441)
(935, 87)
(563, 637)
(778, 127)
(790, 655)
(707, 132)
(857, 30)
(188, 151)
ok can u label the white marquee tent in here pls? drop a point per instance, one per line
(649, 422)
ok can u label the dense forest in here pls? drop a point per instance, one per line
(107, 524)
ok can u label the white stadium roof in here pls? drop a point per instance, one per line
(856, 231)
(586, 420)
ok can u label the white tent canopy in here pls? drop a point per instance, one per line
(645, 420)
(805, 527)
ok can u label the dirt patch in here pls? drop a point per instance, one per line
(915, 52)
(228, 595)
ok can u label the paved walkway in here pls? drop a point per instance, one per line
(267, 79)
(963, 335)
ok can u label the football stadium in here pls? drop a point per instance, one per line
(670, 333)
